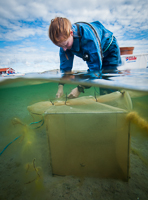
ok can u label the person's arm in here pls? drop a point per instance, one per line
(60, 90)
(94, 61)
(90, 45)
(74, 93)
(77, 91)
(66, 60)
(66, 63)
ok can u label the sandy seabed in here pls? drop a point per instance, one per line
(14, 161)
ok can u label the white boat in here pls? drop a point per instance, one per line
(11, 75)
(134, 61)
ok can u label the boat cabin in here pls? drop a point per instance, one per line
(7, 71)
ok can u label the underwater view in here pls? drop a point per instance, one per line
(88, 148)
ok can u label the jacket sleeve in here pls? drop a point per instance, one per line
(95, 61)
(66, 60)
(91, 46)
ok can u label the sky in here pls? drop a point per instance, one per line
(24, 42)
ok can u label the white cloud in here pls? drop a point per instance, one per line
(129, 13)
(108, 12)
(126, 19)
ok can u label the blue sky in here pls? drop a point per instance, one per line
(24, 42)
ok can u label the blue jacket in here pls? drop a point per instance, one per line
(85, 42)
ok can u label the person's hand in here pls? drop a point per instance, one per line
(74, 93)
(60, 91)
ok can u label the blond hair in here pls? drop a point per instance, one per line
(59, 30)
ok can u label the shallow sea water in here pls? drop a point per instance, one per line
(25, 167)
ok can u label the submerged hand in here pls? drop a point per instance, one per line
(60, 91)
(74, 93)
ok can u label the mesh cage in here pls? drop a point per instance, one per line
(88, 136)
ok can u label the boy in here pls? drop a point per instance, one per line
(90, 41)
